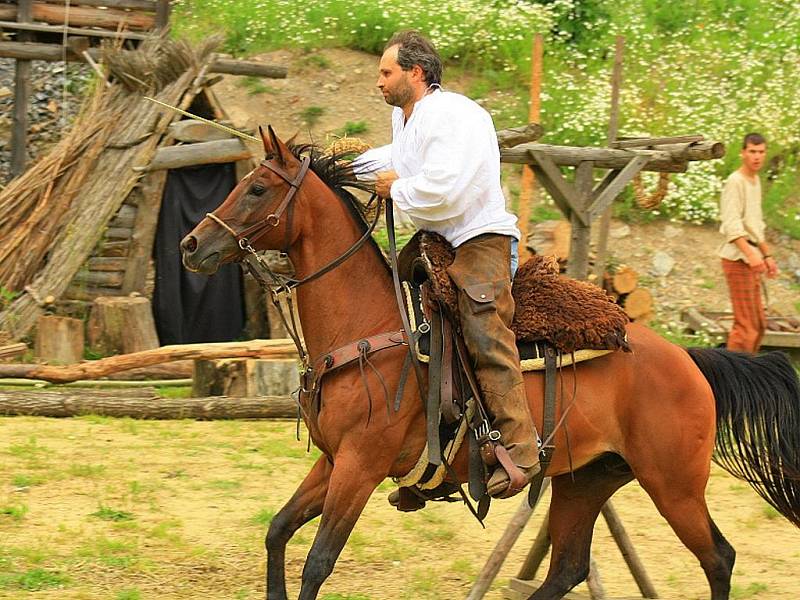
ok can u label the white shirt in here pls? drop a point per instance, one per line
(448, 162)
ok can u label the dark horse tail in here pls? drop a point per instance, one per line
(758, 422)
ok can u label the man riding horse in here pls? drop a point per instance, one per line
(443, 170)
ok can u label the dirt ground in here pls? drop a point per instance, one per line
(98, 508)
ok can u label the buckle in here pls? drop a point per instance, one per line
(424, 327)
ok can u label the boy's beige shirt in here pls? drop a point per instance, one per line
(740, 213)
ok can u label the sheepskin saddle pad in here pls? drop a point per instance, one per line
(570, 315)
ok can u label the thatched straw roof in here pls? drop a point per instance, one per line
(55, 213)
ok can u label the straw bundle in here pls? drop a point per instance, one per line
(55, 213)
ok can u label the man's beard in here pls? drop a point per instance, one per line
(401, 96)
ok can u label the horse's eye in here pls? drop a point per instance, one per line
(257, 189)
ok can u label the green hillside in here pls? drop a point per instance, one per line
(716, 67)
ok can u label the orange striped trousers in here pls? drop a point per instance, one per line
(749, 319)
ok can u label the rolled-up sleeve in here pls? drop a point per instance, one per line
(367, 165)
(731, 211)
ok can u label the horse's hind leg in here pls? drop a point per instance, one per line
(682, 503)
(305, 504)
(577, 500)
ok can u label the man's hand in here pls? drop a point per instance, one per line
(383, 183)
(772, 267)
(755, 262)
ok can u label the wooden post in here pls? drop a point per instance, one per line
(163, 9)
(527, 185)
(498, 556)
(59, 339)
(22, 92)
(578, 264)
(596, 591)
(625, 545)
(613, 131)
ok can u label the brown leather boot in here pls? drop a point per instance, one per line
(481, 272)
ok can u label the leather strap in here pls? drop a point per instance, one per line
(450, 411)
(548, 424)
(348, 353)
(398, 290)
(434, 390)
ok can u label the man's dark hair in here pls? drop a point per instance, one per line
(416, 49)
(755, 139)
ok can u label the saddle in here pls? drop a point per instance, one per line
(557, 321)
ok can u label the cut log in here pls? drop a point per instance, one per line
(203, 153)
(551, 238)
(121, 325)
(125, 217)
(508, 138)
(279, 349)
(141, 403)
(112, 279)
(144, 5)
(244, 377)
(105, 263)
(624, 280)
(59, 340)
(180, 369)
(232, 66)
(638, 303)
(115, 248)
(13, 350)
(60, 29)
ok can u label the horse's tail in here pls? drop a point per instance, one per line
(758, 422)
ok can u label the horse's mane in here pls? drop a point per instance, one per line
(335, 172)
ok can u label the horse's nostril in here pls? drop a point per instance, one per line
(189, 244)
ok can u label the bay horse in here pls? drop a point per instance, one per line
(654, 415)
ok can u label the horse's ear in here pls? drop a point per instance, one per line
(277, 146)
(266, 141)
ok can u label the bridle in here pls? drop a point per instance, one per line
(277, 284)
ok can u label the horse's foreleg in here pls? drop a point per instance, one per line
(576, 503)
(305, 504)
(351, 485)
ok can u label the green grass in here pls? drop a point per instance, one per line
(109, 514)
(754, 589)
(33, 580)
(255, 85)
(311, 115)
(14, 511)
(183, 391)
(129, 594)
(24, 480)
(353, 128)
(263, 517)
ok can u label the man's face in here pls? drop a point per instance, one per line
(394, 83)
(753, 156)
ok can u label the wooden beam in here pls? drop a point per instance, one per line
(603, 158)
(82, 16)
(60, 29)
(144, 232)
(615, 186)
(560, 189)
(141, 5)
(94, 369)
(22, 92)
(649, 142)
(190, 131)
(203, 153)
(626, 547)
(37, 51)
(163, 10)
(142, 403)
(233, 66)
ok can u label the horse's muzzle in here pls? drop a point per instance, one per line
(196, 260)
